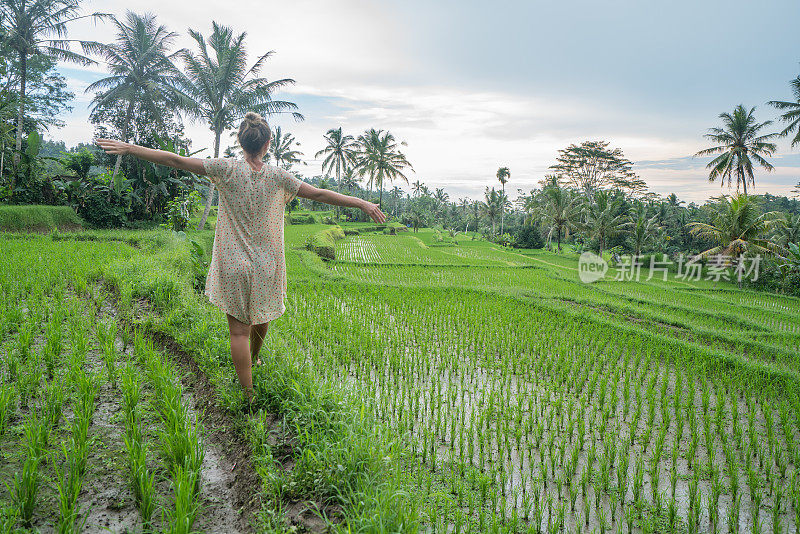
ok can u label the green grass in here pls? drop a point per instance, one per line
(464, 387)
(38, 219)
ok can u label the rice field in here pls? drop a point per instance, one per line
(495, 392)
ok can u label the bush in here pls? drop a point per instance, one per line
(180, 209)
(38, 218)
(301, 218)
(323, 243)
(528, 236)
(100, 213)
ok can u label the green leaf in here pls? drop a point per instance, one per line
(34, 142)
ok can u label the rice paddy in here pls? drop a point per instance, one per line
(492, 391)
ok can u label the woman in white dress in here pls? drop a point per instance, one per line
(247, 274)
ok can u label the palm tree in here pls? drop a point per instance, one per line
(503, 174)
(602, 218)
(141, 69)
(416, 187)
(396, 193)
(223, 89)
(788, 229)
(738, 144)
(340, 153)
(492, 205)
(738, 229)
(38, 28)
(380, 159)
(417, 215)
(560, 210)
(281, 149)
(792, 116)
(642, 227)
(350, 179)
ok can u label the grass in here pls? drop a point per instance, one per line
(33, 218)
(461, 387)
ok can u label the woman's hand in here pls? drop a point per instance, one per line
(374, 212)
(114, 147)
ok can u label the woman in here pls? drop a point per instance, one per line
(247, 275)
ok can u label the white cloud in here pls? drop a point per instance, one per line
(355, 70)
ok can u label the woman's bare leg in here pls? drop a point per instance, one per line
(240, 353)
(257, 334)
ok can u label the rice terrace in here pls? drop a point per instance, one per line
(234, 302)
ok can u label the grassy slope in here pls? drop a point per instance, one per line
(38, 218)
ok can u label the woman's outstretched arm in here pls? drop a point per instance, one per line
(162, 157)
(333, 198)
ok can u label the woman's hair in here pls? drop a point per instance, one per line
(254, 133)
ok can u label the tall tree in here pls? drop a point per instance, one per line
(641, 226)
(788, 229)
(492, 205)
(396, 194)
(39, 28)
(791, 109)
(560, 211)
(738, 144)
(340, 154)
(503, 174)
(738, 229)
(282, 149)
(381, 159)
(603, 218)
(416, 187)
(592, 165)
(142, 71)
(222, 88)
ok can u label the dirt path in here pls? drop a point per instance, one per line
(230, 484)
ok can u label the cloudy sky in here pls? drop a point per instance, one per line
(474, 85)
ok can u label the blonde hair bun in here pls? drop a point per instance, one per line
(253, 118)
(254, 133)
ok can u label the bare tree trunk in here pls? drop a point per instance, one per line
(211, 187)
(502, 209)
(23, 69)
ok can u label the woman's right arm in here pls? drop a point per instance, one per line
(162, 157)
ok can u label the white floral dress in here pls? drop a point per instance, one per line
(247, 275)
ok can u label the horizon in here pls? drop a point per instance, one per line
(463, 90)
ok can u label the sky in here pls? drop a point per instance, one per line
(471, 86)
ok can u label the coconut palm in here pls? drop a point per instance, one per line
(340, 153)
(503, 174)
(281, 149)
(738, 143)
(603, 218)
(791, 114)
(142, 70)
(396, 193)
(560, 211)
(416, 187)
(222, 89)
(642, 228)
(787, 229)
(380, 159)
(738, 229)
(492, 205)
(350, 179)
(38, 28)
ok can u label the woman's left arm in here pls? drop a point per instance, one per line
(333, 198)
(162, 157)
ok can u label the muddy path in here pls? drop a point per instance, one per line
(230, 484)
